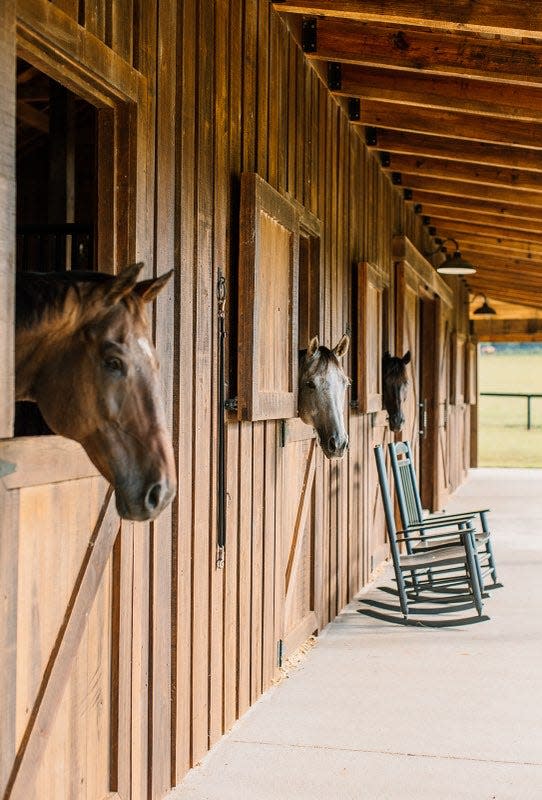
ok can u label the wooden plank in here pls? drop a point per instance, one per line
(94, 17)
(464, 202)
(459, 149)
(161, 28)
(230, 578)
(489, 16)
(508, 330)
(244, 556)
(7, 217)
(269, 564)
(9, 545)
(461, 171)
(485, 98)
(61, 659)
(184, 423)
(494, 233)
(495, 224)
(139, 744)
(303, 507)
(492, 130)
(122, 28)
(203, 464)
(423, 51)
(300, 633)
(256, 605)
(504, 248)
(446, 186)
(45, 459)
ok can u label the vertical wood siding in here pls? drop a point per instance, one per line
(231, 92)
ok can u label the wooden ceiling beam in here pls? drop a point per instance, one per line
(492, 222)
(423, 185)
(461, 171)
(488, 231)
(449, 147)
(509, 295)
(487, 245)
(495, 329)
(485, 16)
(424, 51)
(457, 125)
(476, 204)
(508, 265)
(485, 98)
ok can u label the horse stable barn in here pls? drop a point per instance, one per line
(300, 167)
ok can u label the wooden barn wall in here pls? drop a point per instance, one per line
(231, 92)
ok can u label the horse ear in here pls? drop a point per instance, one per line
(406, 358)
(386, 356)
(122, 284)
(312, 349)
(341, 348)
(150, 288)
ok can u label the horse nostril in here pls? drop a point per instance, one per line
(154, 496)
(332, 446)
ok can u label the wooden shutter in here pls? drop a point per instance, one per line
(268, 279)
(369, 321)
(457, 387)
(471, 373)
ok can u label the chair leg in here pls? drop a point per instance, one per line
(491, 560)
(474, 567)
(402, 592)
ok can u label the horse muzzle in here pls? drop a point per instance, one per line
(335, 446)
(146, 502)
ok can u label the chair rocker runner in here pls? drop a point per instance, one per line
(411, 512)
(453, 545)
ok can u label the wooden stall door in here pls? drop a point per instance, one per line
(442, 486)
(68, 710)
(408, 338)
(298, 534)
(377, 544)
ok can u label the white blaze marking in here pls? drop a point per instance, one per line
(145, 346)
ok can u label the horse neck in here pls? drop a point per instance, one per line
(39, 336)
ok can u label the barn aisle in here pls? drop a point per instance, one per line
(383, 711)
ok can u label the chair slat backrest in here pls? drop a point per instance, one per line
(406, 484)
(388, 506)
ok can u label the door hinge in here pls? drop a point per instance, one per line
(280, 653)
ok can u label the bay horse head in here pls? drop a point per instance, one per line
(322, 387)
(395, 386)
(84, 355)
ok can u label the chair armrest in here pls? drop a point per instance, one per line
(457, 515)
(452, 535)
(436, 523)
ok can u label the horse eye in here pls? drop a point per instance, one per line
(113, 364)
(310, 385)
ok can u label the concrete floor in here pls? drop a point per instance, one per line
(383, 711)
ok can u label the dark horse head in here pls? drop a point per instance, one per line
(394, 389)
(322, 386)
(84, 355)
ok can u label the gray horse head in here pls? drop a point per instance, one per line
(322, 387)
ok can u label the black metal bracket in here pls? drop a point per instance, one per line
(432, 231)
(407, 194)
(308, 35)
(418, 208)
(396, 178)
(371, 137)
(426, 220)
(231, 404)
(354, 109)
(385, 159)
(334, 76)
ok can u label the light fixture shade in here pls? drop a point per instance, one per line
(455, 265)
(485, 308)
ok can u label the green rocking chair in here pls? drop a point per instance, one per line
(453, 545)
(411, 512)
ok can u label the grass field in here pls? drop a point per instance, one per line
(504, 440)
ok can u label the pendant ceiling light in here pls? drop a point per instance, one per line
(454, 264)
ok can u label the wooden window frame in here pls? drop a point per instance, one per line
(369, 277)
(254, 403)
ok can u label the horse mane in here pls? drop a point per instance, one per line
(44, 293)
